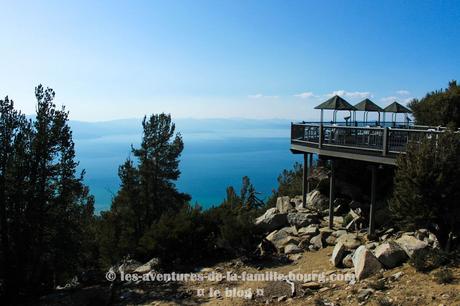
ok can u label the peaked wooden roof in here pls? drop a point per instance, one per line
(395, 107)
(368, 106)
(336, 103)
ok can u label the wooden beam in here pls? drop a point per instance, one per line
(378, 159)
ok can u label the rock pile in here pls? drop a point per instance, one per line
(293, 228)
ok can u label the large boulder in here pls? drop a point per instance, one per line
(365, 263)
(339, 233)
(152, 264)
(317, 201)
(301, 219)
(312, 229)
(272, 219)
(331, 240)
(283, 237)
(127, 265)
(326, 231)
(284, 205)
(292, 249)
(338, 254)
(350, 241)
(411, 245)
(297, 201)
(390, 254)
(319, 241)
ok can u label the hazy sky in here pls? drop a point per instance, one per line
(252, 59)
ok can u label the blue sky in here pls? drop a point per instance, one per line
(201, 59)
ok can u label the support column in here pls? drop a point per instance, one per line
(372, 207)
(310, 170)
(331, 194)
(305, 179)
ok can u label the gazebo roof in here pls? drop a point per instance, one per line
(395, 107)
(368, 106)
(336, 103)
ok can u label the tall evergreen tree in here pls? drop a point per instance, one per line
(441, 107)
(45, 210)
(147, 190)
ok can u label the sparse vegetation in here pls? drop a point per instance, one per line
(378, 284)
(289, 184)
(384, 301)
(444, 276)
(428, 259)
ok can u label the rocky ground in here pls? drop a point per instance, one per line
(320, 266)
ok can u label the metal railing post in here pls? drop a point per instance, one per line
(331, 194)
(320, 140)
(385, 141)
(305, 180)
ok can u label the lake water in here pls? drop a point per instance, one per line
(211, 160)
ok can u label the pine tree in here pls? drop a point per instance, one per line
(441, 107)
(46, 211)
(426, 186)
(147, 192)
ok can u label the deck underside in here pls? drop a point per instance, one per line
(298, 147)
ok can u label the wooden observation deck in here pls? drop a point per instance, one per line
(376, 144)
(370, 144)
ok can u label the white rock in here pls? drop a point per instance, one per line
(271, 220)
(339, 233)
(284, 205)
(148, 266)
(317, 201)
(312, 229)
(301, 219)
(411, 245)
(350, 241)
(390, 254)
(292, 249)
(318, 241)
(365, 263)
(338, 254)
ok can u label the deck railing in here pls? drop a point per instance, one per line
(366, 140)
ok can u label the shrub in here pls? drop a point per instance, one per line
(289, 184)
(378, 284)
(444, 276)
(428, 259)
(384, 301)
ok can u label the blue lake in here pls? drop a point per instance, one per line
(211, 160)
